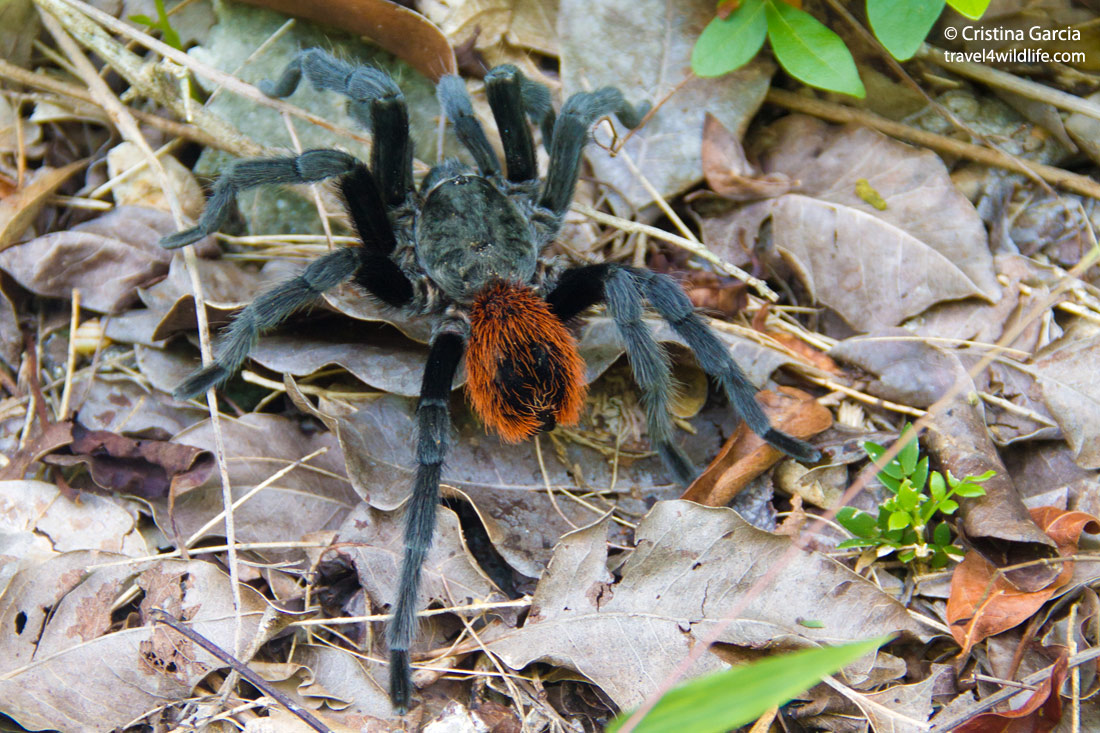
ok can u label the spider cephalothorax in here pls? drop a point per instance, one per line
(466, 248)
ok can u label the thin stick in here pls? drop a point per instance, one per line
(162, 616)
(1011, 83)
(696, 249)
(839, 113)
(70, 362)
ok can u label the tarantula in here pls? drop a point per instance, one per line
(467, 248)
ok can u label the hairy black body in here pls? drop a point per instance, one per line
(466, 248)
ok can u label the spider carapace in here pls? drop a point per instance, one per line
(467, 248)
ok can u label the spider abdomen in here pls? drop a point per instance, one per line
(524, 374)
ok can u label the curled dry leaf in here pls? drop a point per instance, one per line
(1040, 714)
(144, 187)
(18, 210)
(874, 267)
(983, 602)
(65, 638)
(107, 258)
(406, 34)
(996, 525)
(729, 173)
(375, 543)
(745, 455)
(144, 468)
(691, 567)
(502, 481)
(37, 522)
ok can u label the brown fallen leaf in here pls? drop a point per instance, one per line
(1040, 714)
(745, 455)
(983, 603)
(729, 173)
(55, 435)
(692, 566)
(19, 210)
(406, 34)
(107, 258)
(145, 468)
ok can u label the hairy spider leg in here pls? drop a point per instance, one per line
(673, 304)
(504, 87)
(625, 290)
(457, 108)
(578, 114)
(369, 263)
(433, 424)
(309, 167)
(376, 103)
(377, 273)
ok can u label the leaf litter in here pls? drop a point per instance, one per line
(569, 566)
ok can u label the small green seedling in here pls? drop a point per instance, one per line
(167, 33)
(905, 520)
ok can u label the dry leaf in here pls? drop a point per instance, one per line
(406, 34)
(745, 455)
(691, 566)
(981, 604)
(1040, 714)
(19, 210)
(729, 173)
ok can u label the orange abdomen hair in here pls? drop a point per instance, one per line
(523, 372)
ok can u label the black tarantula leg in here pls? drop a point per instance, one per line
(504, 86)
(309, 167)
(265, 312)
(456, 106)
(377, 273)
(582, 287)
(376, 102)
(570, 135)
(670, 301)
(623, 287)
(433, 423)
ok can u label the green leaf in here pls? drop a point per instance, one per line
(142, 19)
(874, 450)
(910, 452)
(902, 25)
(899, 520)
(972, 9)
(954, 550)
(861, 524)
(857, 542)
(947, 506)
(907, 556)
(937, 487)
(969, 490)
(725, 700)
(891, 483)
(942, 534)
(811, 623)
(920, 475)
(725, 45)
(908, 498)
(809, 51)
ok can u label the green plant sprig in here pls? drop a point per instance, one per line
(905, 520)
(806, 48)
